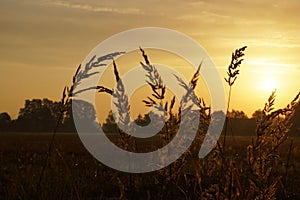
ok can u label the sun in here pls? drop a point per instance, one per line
(268, 84)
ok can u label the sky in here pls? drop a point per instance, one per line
(43, 41)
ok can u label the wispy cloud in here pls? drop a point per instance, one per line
(206, 16)
(94, 8)
(266, 63)
(273, 43)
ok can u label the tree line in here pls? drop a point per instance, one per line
(43, 115)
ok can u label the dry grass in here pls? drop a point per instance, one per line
(264, 166)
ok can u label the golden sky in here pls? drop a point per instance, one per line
(43, 41)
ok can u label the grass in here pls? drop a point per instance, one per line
(264, 166)
(22, 155)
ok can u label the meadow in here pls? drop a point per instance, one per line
(72, 173)
(56, 165)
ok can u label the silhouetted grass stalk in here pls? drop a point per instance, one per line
(48, 154)
(252, 178)
(232, 73)
(67, 95)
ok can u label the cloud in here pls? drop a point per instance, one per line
(93, 8)
(205, 16)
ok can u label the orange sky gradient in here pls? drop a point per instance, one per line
(43, 41)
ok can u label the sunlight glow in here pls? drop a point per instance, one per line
(268, 84)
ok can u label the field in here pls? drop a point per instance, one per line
(72, 173)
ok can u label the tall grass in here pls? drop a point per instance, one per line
(256, 169)
(232, 73)
(255, 179)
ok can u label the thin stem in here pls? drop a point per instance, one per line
(48, 154)
(288, 160)
(226, 119)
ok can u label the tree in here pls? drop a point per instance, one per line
(142, 120)
(237, 114)
(38, 115)
(110, 126)
(257, 114)
(5, 121)
(83, 113)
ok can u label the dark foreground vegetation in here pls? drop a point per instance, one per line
(72, 173)
(264, 165)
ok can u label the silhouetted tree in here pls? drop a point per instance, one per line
(84, 113)
(43, 115)
(5, 121)
(237, 114)
(257, 114)
(38, 115)
(110, 126)
(68, 121)
(142, 120)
